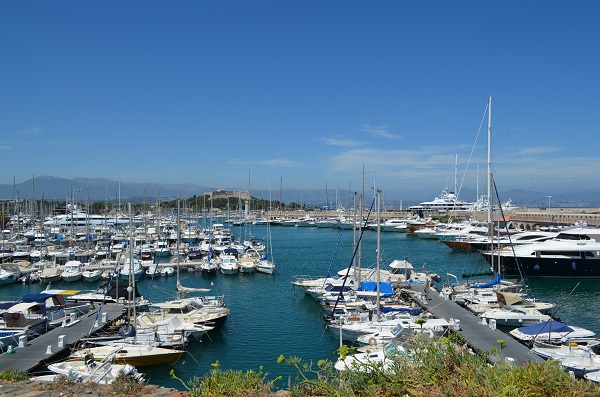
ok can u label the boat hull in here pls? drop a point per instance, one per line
(71, 278)
(8, 279)
(136, 355)
(548, 267)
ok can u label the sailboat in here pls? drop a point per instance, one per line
(350, 328)
(266, 264)
(468, 291)
(203, 310)
(136, 352)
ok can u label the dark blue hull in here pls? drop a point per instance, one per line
(547, 267)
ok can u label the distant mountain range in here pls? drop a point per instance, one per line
(100, 189)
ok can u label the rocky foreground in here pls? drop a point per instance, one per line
(45, 389)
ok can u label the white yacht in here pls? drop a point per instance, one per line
(447, 201)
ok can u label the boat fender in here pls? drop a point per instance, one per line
(372, 341)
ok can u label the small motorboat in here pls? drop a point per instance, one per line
(167, 271)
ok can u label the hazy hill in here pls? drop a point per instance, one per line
(99, 189)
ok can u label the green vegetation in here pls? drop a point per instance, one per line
(13, 375)
(442, 368)
(220, 382)
(123, 386)
(434, 369)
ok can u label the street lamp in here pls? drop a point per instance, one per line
(549, 197)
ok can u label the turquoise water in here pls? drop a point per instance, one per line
(270, 317)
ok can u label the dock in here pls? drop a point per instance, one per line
(31, 356)
(482, 337)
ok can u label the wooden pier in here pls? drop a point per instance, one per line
(481, 336)
(33, 355)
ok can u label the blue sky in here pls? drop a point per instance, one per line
(208, 92)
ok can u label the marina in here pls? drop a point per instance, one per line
(270, 317)
(32, 355)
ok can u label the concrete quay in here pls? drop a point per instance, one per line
(481, 336)
(33, 355)
(527, 218)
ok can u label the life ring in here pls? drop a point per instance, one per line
(372, 341)
(16, 316)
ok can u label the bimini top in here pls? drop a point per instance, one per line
(370, 288)
(545, 327)
(39, 298)
(495, 281)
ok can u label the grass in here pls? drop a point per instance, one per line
(436, 369)
(123, 386)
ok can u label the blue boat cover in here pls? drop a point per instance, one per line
(412, 312)
(385, 289)
(7, 305)
(547, 326)
(495, 281)
(38, 298)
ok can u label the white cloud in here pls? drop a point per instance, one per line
(343, 142)
(381, 131)
(280, 162)
(32, 131)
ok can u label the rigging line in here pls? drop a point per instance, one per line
(512, 247)
(114, 274)
(554, 312)
(518, 153)
(472, 151)
(362, 231)
(333, 257)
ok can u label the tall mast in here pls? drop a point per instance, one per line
(32, 195)
(280, 188)
(378, 192)
(455, 176)
(178, 239)
(489, 161)
(490, 181)
(131, 287)
(362, 204)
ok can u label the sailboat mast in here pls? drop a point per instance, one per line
(178, 239)
(378, 254)
(131, 287)
(489, 160)
(489, 181)
(455, 179)
(362, 225)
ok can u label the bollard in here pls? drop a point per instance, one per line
(49, 349)
(104, 318)
(492, 324)
(22, 340)
(61, 340)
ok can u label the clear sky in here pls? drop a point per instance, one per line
(210, 92)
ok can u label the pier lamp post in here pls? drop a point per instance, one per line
(549, 197)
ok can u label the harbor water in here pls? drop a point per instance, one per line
(269, 317)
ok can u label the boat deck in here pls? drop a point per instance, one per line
(47, 348)
(480, 336)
